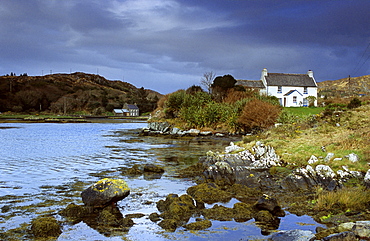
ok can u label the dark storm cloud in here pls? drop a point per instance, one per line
(168, 44)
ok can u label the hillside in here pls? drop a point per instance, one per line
(71, 93)
(345, 87)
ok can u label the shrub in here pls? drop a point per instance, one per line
(354, 103)
(258, 115)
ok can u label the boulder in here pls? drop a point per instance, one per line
(293, 235)
(362, 229)
(270, 204)
(45, 227)
(344, 236)
(104, 192)
(352, 157)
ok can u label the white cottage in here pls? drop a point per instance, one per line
(292, 90)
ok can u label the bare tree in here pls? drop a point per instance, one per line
(207, 80)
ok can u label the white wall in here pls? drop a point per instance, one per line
(311, 91)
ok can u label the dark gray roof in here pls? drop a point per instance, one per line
(132, 106)
(250, 83)
(291, 92)
(277, 79)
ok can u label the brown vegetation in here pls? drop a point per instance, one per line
(71, 93)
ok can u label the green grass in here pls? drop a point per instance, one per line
(304, 111)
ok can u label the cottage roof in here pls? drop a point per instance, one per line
(250, 83)
(278, 79)
(131, 107)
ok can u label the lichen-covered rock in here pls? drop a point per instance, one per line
(45, 227)
(105, 192)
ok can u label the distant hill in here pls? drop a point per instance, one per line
(71, 93)
(351, 86)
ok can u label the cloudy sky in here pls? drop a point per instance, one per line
(166, 45)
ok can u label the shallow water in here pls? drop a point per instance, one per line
(45, 166)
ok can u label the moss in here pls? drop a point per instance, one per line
(75, 211)
(218, 212)
(199, 225)
(244, 193)
(45, 227)
(242, 212)
(209, 193)
(169, 224)
(154, 217)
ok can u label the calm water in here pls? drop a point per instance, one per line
(44, 167)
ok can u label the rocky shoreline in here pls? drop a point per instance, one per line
(257, 178)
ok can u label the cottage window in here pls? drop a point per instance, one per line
(305, 91)
(279, 89)
(294, 99)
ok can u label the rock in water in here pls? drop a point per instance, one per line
(104, 192)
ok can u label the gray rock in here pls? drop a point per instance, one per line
(232, 147)
(344, 236)
(193, 132)
(293, 235)
(367, 179)
(328, 157)
(174, 131)
(313, 159)
(352, 157)
(105, 192)
(362, 229)
(205, 133)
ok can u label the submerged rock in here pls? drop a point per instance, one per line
(45, 227)
(293, 235)
(105, 192)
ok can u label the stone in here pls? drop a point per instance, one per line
(193, 132)
(153, 168)
(362, 229)
(174, 131)
(344, 236)
(313, 159)
(205, 133)
(232, 148)
(352, 157)
(270, 204)
(105, 192)
(367, 179)
(45, 227)
(328, 157)
(293, 235)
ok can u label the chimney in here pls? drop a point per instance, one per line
(264, 72)
(310, 73)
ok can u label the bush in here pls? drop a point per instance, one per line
(355, 102)
(258, 115)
